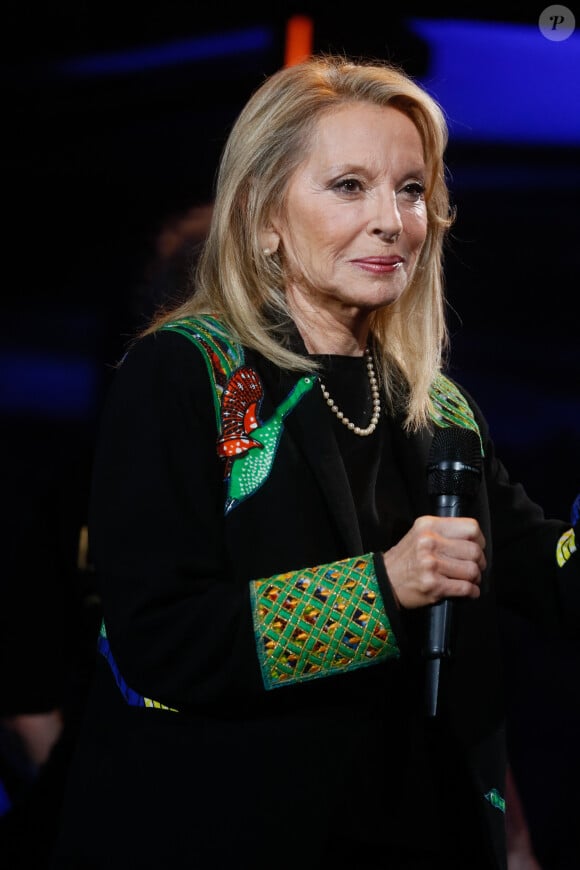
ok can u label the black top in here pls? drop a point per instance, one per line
(385, 515)
(382, 505)
(302, 774)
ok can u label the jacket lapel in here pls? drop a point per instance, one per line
(310, 426)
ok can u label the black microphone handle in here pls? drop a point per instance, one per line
(447, 505)
(454, 471)
(438, 644)
(440, 613)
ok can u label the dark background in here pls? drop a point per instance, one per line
(93, 166)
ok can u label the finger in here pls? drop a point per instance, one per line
(459, 570)
(454, 528)
(463, 551)
(437, 553)
(462, 589)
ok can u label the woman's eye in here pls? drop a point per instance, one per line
(414, 190)
(348, 185)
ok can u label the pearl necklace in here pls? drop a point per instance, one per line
(376, 402)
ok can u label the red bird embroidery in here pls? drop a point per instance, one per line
(240, 403)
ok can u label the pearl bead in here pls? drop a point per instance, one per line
(376, 400)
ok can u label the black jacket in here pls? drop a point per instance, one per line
(220, 731)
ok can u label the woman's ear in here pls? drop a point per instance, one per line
(269, 241)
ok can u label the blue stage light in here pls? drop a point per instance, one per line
(503, 82)
(180, 51)
(47, 385)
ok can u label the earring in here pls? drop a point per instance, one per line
(266, 252)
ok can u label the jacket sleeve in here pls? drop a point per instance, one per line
(535, 560)
(178, 630)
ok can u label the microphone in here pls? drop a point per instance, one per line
(454, 472)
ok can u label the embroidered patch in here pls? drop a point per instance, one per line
(320, 621)
(565, 547)
(134, 699)
(240, 405)
(222, 355)
(247, 445)
(450, 408)
(248, 468)
(496, 800)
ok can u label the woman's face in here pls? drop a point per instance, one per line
(355, 217)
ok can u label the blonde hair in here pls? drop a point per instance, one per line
(241, 286)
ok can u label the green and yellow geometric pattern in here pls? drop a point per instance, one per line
(565, 547)
(320, 621)
(449, 407)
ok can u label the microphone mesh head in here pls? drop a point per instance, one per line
(455, 464)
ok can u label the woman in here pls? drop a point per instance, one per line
(267, 551)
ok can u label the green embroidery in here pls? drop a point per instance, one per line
(320, 621)
(450, 408)
(496, 799)
(248, 445)
(250, 470)
(222, 356)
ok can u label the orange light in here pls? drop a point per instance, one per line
(299, 33)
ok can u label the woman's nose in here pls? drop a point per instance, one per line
(386, 221)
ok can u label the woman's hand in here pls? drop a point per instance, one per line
(439, 557)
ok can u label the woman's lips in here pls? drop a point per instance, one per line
(379, 264)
